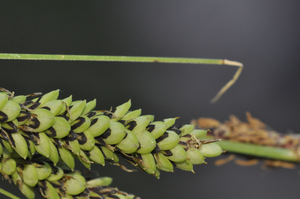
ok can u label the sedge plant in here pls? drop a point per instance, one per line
(42, 135)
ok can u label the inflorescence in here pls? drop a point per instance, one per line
(40, 139)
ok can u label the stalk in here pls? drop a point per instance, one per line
(40, 139)
(276, 153)
(15, 56)
(116, 58)
(8, 194)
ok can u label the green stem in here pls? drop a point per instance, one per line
(109, 58)
(259, 150)
(134, 59)
(6, 193)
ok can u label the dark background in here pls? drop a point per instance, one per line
(264, 35)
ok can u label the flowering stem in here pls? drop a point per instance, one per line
(6, 193)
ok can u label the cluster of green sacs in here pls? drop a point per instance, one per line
(55, 183)
(63, 129)
(17, 148)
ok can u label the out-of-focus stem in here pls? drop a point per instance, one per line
(6, 193)
(259, 150)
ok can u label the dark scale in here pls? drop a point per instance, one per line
(150, 128)
(183, 143)
(156, 149)
(125, 136)
(28, 144)
(175, 129)
(23, 116)
(67, 171)
(11, 140)
(28, 135)
(79, 121)
(100, 140)
(57, 142)
(93, 121)
(139, 146)
(51, 132)
(71, 136)
(139, 156)
(167, 153)
(155, 160)
(3, 117)
(91, 114)
(26, 103)
(21, 166)
(81, 138)
(35, 141)
(64, 115)
(47, 108)
(42, 187)
(39, 99)
(106, 134)
(12, 127)
(34, 105)
(122, 122)
(107, 190)
(3, 134)
(61, 190)
(130, 126)
(164, 136)
(58, 184)
(35, 123)
(54, 169)
(173, 163)
(87, 153)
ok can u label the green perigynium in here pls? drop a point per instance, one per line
(40, 139)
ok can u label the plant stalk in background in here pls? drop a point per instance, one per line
(252, 138)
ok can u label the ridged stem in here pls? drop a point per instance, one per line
(259, 150)
(8, 194)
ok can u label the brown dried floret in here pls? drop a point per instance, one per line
(278, 163)
(224, 161)
(208, 123)
(246, 162)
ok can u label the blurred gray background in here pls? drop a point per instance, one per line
(264, 35)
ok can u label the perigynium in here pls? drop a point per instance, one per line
(41, 137)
